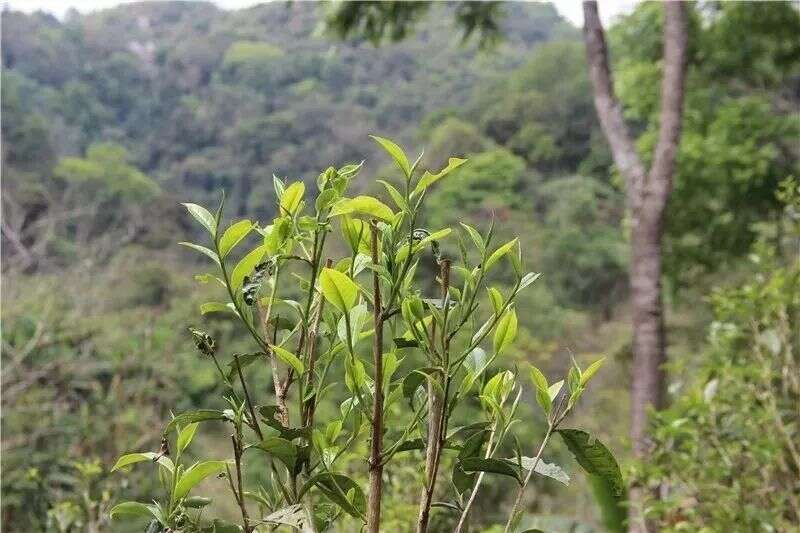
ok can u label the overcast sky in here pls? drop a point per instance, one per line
(571, 9)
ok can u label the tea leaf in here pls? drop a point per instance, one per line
(396, 152)
(233, 236)
(339, 290)
(204, 217)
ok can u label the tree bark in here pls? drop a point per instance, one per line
(647, 196)
(376, 441)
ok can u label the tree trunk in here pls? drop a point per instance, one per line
(647, 196)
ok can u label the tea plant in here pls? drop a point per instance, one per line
(311, 319)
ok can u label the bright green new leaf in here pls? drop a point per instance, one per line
(357, 234)
(233, 236)
(399, 201)
(396, 152)
(587, 374)
(498, 254)
(538, 379)
(204, 217)
(475, 236)
(429, 179)
(338, 289)
(496, 297)
(291, 198)
(246, 265)
(554, 389)
(202, 250)
(363, 205)
(186, 435)
(289, 358)
(194, 475)
(506, 331)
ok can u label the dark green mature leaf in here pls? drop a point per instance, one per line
(196, 502)
(495, 466)
(190, 417)
(245, 360)
(338, 487)
(414, 379)
(134, 509)
(281, 448)
(594, 457)
(268, 413)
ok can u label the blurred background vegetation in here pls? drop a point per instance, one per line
(111, 118)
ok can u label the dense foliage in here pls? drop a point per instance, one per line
(110, 119)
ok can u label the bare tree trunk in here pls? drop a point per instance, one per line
(647, 196)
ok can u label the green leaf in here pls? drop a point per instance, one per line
(245, 360)
(592, 369)
(294, 516)
(133, 458)
(396, 152)
(281, 448)
(216, 307)
(339, 290)
(289, 358)
(189, 417)
(506, 331)
(186, 435)
(202, 250)
(529, 278)
(194, 475)
(356, 233)
(341, 490)
(538, 379)
(496, 297)
(429, 179)
(499, 253)
(476, 237)
(399, 201)
(233, 236)
(134, 509)
(554, 389)
(363, 205)
(594, 457)
(247, 265)
(495, 466)
(196, 502)
(291, 198)
(414, 379)
(204, 217)
(551, 470)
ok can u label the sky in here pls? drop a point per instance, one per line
(570, 9)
